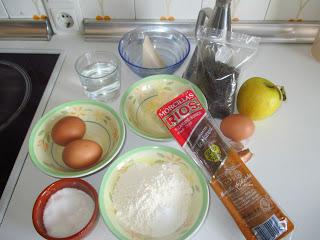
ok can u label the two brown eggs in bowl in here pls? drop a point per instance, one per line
(78, 153)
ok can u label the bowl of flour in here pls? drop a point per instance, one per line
(153, 192)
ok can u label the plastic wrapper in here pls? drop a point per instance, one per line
(216, 64)
(256, 214)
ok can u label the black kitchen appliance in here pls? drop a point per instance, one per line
(23, 79)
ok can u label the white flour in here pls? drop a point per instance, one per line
(152, 200)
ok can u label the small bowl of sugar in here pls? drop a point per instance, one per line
(67, 209)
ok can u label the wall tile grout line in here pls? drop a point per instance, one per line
(5, 8)
(265, 15)
(134, 8)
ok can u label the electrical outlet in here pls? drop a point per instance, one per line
(65, 15)
(65, 20)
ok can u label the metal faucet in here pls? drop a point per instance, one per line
(219, 17)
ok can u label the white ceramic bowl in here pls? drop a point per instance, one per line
(155, 155)
(103, 125)
(139, 104)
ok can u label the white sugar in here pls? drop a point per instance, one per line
(152, 200)
(67, 212)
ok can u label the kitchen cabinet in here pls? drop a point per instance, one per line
(115, 9)
(3, 12)
(24, 8)
(294, 10)
(166, 9)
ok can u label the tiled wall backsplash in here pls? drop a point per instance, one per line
(188, 9)
(156, 9)
(120, 9)
(295, 10)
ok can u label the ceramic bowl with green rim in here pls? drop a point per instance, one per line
(150, 156)
(139, 104)
(103, 125)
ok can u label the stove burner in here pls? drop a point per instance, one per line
(14, 92)
(18, 103)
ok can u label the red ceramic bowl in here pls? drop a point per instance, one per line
(38, 208)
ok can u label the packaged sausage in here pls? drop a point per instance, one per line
(256, 214)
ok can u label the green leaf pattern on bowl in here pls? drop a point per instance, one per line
(102, 126)
(141, 101)
(153, 156)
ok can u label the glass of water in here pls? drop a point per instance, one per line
(99, 74)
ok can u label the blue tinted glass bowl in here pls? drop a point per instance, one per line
(172, 46)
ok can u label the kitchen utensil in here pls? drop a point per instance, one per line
(142, 99)
(99, 74)
(103, 125)
(155, 155)
(172, 46)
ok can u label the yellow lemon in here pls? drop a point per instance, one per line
(259, 98)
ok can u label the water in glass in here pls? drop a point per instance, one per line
(101, 81)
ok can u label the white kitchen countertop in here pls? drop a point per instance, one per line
(286, 158)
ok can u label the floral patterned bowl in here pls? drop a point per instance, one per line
(140, 103)
(155, 155)
(103, 125)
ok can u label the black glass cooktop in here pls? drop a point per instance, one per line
(23, 79)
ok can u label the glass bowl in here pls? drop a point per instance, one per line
(172, 46)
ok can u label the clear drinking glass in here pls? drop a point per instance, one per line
(99, 73)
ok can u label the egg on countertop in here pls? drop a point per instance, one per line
(68, 129)
(237, 127)
(81, 154)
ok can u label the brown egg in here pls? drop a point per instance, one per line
(237, 127)
(68, 129)
(81, 154)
